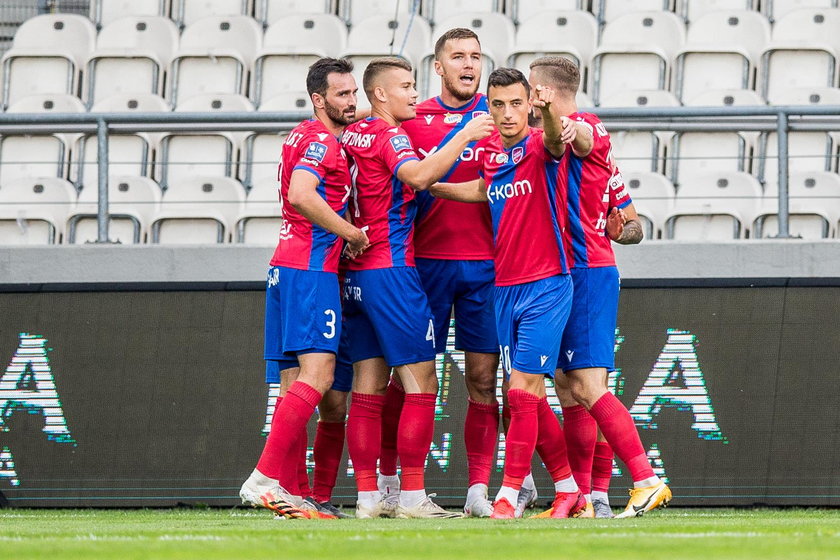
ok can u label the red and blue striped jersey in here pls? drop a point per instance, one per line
(595, 186)
(304, 245)
(447, 229)
(525, 199)
(382, 205)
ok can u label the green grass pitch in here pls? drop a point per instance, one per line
(673, 534)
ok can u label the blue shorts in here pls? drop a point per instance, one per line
(530, 319)
(386, 314)
(468, 285)
(302, 313)
(589, 338)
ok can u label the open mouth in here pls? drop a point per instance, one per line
(467, 79)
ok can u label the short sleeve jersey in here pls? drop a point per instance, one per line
(448, 229)
(303, 245)
(524, 199)
(595, 187)
(382, 205)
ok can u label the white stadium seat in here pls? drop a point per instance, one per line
(635, 53)
(520, 10)
(33, 211)
(215, 56)
(653, 198)
(132, 201)
(803, 52)
(571, 34)
(132, 103)
(722, 50)
(128, 154)
(198, 210)
(47, 56)
(813, 206)
(259, 222)
(290, 46)
(725, 98)
(131, 56)
(103, 12)
(438, 10)
(693, 154)
(187, 12)
(609, 10)
(692, 10)
(382, 35)
(717, 206)
(355, 11)
(261, 158)
(269, 11)
(776, 9)
(296, 100)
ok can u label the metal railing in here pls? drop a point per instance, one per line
(779, 119)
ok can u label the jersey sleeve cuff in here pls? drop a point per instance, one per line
(310, 169)
(399, 164)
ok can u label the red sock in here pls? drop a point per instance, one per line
(329, 445)
(551, 444)
(303, 471)
(481, 432)
(414, 438)
(364, 437)
(287, 474)
(581, 432)
(394, 398)
(618, 429)
(602, 467)
(506, 417)
(290, 417)
(521, 437)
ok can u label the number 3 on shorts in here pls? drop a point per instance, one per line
(330, 323)
(430, 332)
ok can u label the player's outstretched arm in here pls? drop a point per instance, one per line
(471, 191)
(420, 175)
(303, 195)
(578, 135)
(552, 125)
(624, 226)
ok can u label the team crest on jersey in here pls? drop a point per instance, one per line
(316, 151)
(517, 154)
(400, 143)
(452, 118)
(501, 159)
(429, 119)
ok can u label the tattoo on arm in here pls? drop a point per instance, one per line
(632, 233)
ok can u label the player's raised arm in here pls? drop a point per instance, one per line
(552, 125)
(420, 175)
(578, 135)
(304, 197)
(471, 191)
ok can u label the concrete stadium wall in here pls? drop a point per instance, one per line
(650, 261)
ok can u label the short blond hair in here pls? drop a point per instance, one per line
(375, 69)
(562, 74)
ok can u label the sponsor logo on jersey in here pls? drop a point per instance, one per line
(400, 143)
(429, 119)
(517, 154)
(452, 118)
(570, 354)
(543, 358)
(508, 190)
(478, 113)
(501, 159)
(357, 139)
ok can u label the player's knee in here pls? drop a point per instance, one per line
(333, 412)
(482, 387)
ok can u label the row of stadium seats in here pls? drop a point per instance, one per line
(185, 12)
(214, 209)
(728, 49)
(171, 156)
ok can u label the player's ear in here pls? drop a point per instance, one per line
(317, 100)
(379, 93)
(438, 68)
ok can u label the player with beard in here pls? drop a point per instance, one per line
(303, 305)
(453, 245)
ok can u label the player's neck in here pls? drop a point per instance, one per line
(334, 128)
(381, 112)
(510, 142)
(567, 106)
(448, 99)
